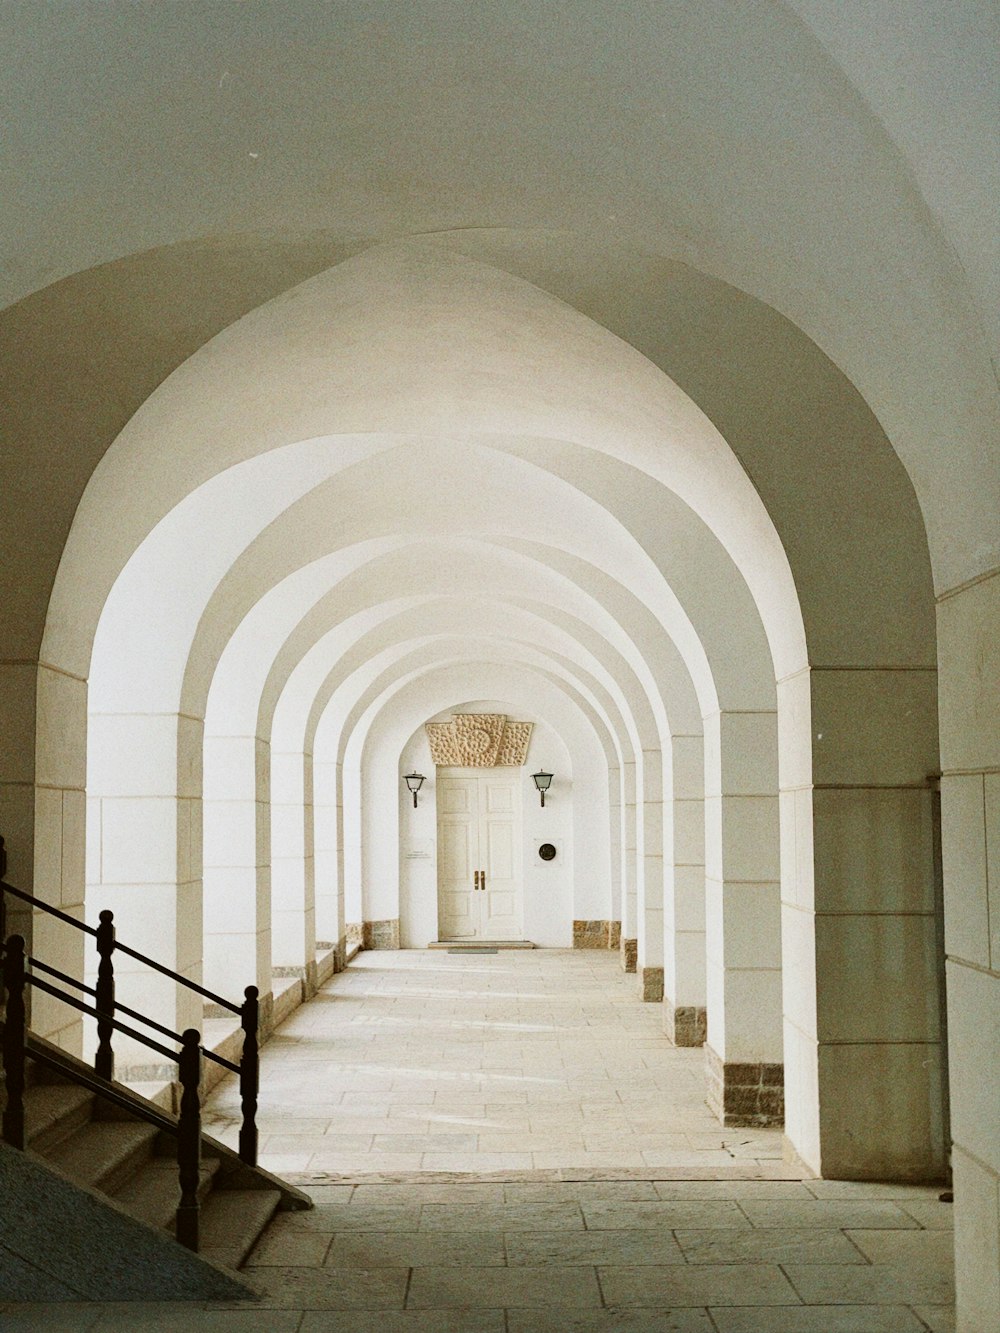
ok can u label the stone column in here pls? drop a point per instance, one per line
(145, 859)
(650, 932)
(329, 900)
(684, 999)
(237, 872)
(969, 654)
(42, 820)
(292, 868)
(743, 919)
(863, 1036)
(629, 929)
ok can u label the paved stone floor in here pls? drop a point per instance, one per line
(508, 1144)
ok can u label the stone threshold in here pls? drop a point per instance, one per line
(481, 946)
(749, 1169)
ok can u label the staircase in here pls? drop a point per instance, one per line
(127, 1156)
(108, 1195)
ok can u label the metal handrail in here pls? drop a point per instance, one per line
(16, 977)
(132, 1013)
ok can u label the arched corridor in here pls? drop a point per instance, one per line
(604, 394)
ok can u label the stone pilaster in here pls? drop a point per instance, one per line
(745, 1095)
(629, 954)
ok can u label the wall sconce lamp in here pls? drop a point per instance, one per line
(542, 781)
(414, 782)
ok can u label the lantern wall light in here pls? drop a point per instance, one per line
(414, 781)
(542, 781)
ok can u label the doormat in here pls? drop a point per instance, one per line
(470, 949)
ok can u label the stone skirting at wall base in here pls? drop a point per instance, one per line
(308, 975)
(745, 1095)
(685, 1025)
(614, 934)
(354, 938)
(381, 934)
(630, 955)
(594, 935)
(651, 984)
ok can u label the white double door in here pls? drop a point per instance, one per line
(479, 854)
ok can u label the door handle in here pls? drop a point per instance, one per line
(482, 880)
(475, 880)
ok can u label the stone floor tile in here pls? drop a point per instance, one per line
(430, 1191)
(352, 1216)
(551, 1191)
(292, 1249)
(416, 1249)
(580, 1157)
(150, 1319)
(769, 1245)
(868, 1189)
(731, 1189)
(476, 1161)
(404, 1321)
(861, 1213)
(455, 1141)
(932, 1214)
(631, 1247)
(907, 1249)
(813, 1319)
(875, 1284)
(331, 1288)
(503, 1288)
(349, 1163)
(611, 1321)
(696, 1284)
(609, 1214)
(68, 1317)
(563, 1216)
(938, 1318)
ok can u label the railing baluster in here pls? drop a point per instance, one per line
(14, 1042)
(189, 1139)
(104, 1060)
(249, 1076)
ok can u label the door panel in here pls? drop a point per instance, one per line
(479, 830)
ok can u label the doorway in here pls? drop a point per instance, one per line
(480, 889)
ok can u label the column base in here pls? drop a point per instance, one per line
(593, 934)
(745, 1096)
(651, 984)
(354, 938)
(685, 1025)
(380, 934)
(629, 955)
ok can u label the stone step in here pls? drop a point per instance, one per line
(232, 1221)
(104, 1154)
(152, 1195)
(53, 1111)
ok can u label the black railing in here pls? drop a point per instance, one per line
(20, 970)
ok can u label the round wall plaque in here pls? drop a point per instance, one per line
(547, 851)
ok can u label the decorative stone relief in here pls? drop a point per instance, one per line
(479, 740)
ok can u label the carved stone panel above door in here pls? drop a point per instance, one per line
(479, 740)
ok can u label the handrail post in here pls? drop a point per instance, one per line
(189, 1139)
(104, 1060)
(3, 896)
(249, 1075)
(14, 1041)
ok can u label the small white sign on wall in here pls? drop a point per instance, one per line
(420, 849)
